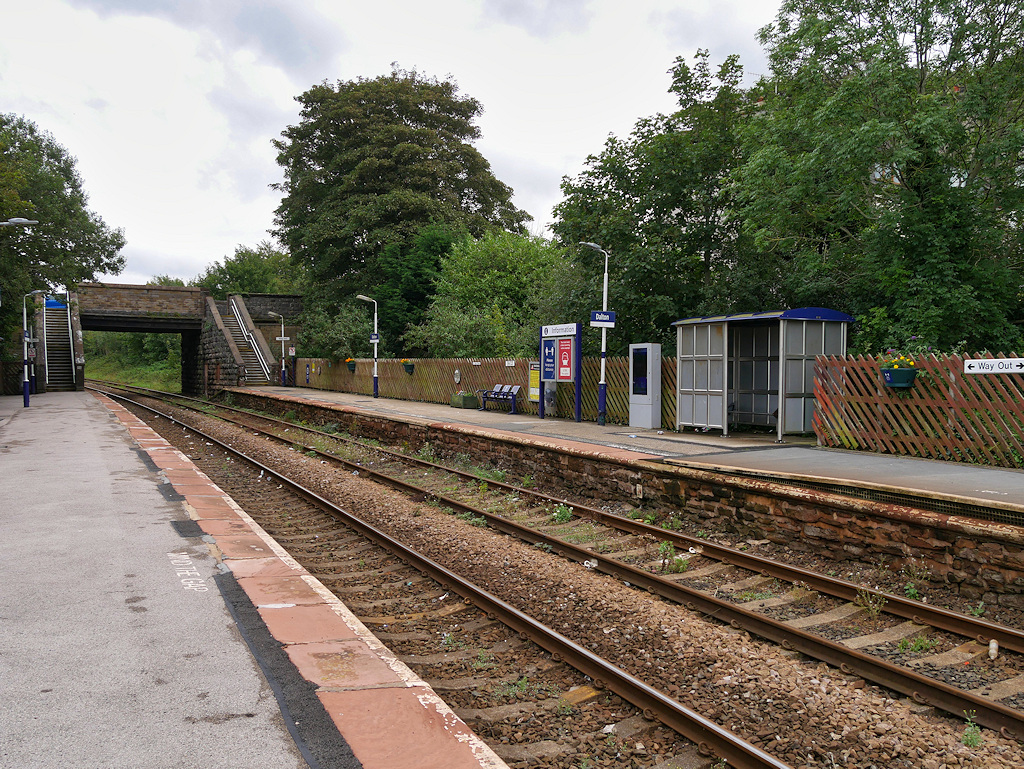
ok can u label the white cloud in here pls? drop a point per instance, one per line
(170, 106)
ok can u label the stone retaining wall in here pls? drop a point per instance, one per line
(980, 559)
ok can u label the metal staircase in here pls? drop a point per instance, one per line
(256, 370)
(60, 370)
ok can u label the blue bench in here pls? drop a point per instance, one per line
(500, 394)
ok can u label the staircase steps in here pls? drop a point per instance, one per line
(60, 370)
(253, 371)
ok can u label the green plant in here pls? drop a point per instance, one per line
(917, 644)
(562, 514)
(871, 602)
(450, 643)
(972, 732)
(754, 595)
(483, 660)
(672, 524)
(472, 519)
(910, 591)
(977, 611)
(527, 482)
(650, 519)
(564, 708)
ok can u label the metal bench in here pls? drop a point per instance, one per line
(500, 394)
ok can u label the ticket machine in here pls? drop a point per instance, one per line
(645, 385)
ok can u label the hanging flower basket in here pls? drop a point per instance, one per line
(409, 367)
(351, 364)
(899, 377)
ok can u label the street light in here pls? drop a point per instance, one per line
(602, 387)
(17, 221)
(374, 339)
(284, 371)
(24, 342)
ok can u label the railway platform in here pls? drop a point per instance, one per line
(149, 623)
(799, 459)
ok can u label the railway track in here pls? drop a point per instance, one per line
(564, 699)
(725, 583)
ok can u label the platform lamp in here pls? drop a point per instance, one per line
(284, 371)
(374, 340)
(18, 221)
(602, 387)
(24, 342)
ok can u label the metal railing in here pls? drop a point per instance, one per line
(250, 339)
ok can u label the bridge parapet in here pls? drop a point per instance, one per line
(123, 307)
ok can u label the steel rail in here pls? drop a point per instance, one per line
(922, 689)
(921, 613)
(710, 738)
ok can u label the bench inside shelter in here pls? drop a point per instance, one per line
(500, 394)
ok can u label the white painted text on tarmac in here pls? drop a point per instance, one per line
(186, 572)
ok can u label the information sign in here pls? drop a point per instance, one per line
(547, 360)
(560, 329)
(534, 388)
(563, 371)
(994, 366)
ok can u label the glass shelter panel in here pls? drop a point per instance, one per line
(702, 374)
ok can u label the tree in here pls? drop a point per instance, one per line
(660, 202)
(883, 169)
(406, 276)
(370, 164)
(260, 270)
(487, 297)
(71, 244)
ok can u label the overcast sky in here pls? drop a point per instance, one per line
(170, 106)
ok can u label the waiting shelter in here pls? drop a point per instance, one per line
(729, 370)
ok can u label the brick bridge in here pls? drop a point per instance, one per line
(223, 343)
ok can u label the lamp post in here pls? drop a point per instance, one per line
(602, 387)
(284, 371)
(375, 339)
(24, 342)
(19, 221)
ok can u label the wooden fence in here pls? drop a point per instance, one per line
(946, 414)
(433, 381)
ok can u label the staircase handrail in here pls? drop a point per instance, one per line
(250, 339)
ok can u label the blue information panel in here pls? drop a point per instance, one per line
(548, 360)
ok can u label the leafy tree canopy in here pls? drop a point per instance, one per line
(489, 297)
(883, 165)
(660, 203)
(260, 270)
(370, 164)
(71, 244)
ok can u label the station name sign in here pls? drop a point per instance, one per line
(602, 319)
(994, 366)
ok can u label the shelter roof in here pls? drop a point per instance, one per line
(801, 313)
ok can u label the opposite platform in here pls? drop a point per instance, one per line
(155, 625)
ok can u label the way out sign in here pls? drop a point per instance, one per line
(994, 366)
